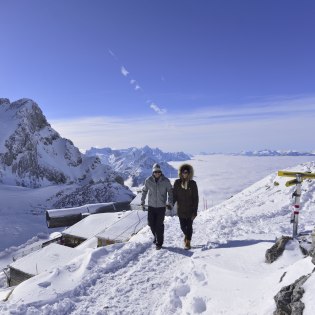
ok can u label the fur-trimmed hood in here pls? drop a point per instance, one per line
(189, 168)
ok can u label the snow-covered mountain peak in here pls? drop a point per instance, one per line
(4, 101)
(23, 113)
(28, 112)
(32, 154)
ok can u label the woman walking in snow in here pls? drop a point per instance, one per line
(185, 193)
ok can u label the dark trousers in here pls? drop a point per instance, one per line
(186, 226)
(156, 222)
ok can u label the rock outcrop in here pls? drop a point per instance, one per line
(288, 300)
(273, 253)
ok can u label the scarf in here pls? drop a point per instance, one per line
(184, 184)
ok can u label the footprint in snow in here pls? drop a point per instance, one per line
(182, 290)
(44, 284)
(198, 305)
(200, 276)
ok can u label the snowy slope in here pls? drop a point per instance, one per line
(224, 273)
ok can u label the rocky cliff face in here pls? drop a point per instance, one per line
(32, 154)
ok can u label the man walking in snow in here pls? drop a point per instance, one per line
(159, 188)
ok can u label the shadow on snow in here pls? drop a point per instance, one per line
(233, 243)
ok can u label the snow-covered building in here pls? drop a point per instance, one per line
(89, 227)
(122, 230)
(46, 259)
(70, 216)
(103, 228)
(107, 228)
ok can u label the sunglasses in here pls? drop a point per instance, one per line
(185, 172)
(157, 172)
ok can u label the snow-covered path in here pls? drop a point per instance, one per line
(140, 285)
(120, 277)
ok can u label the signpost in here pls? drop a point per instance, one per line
(299, 177)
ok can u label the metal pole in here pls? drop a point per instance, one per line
(297, 204)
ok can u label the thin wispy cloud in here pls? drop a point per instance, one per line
(137, 86)
(124, 71)
(283, 125)
(111, 53)
(262, 110)
(157, 109)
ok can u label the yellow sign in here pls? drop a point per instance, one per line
(294, 174)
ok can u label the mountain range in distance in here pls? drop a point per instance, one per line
(265, 152)
(135, 164)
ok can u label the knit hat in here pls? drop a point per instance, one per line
(156, 167)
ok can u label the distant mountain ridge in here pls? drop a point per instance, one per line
(265, 152)
(32, 154)
(275, 153)
(135, 164)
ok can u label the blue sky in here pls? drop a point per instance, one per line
(182, 75)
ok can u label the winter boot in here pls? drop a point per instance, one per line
(187, 244)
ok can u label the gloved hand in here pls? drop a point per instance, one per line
(193, 217)
(143, 206)
(169, 207)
